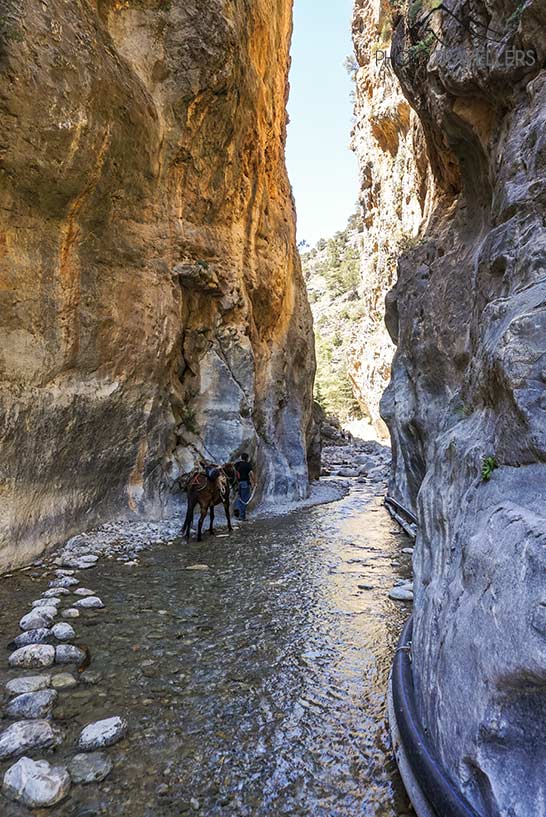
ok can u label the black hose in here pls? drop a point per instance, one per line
(401, 509)
(439, 790)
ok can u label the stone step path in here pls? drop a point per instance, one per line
(45, 644)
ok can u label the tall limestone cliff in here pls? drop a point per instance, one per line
(152, 302)
(468, 390)
(395, 198)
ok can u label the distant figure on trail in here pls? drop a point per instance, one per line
(247, 481)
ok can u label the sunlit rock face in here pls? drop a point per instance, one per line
(153, 307)
(388, 141)
(469, 382)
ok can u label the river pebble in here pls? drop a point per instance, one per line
(90, 768)
(402, 593)
(43, 635)
(32, 705)
(38, 618)
(55, 592)
(83, 591)
(51, 601)
(63, 680)
(35, 656)
(63, 632)
(25, 735)
(198, 567)
(102, 733)
(36, 783)
(64, 581)
(89, 603)
(69, 654)
(70, 612)
(408, 551)
(31, 683)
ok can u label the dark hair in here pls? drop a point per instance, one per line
(244, 457)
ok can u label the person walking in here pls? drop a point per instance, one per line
(247, 481)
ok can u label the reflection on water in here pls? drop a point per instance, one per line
(254, 688)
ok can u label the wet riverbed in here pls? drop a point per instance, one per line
(255, 687)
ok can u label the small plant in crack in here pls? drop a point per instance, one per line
(489, 465)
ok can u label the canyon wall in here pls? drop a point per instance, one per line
(152, 303)
(468, 390)
(395, 197)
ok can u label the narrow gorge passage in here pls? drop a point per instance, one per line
(254, 687)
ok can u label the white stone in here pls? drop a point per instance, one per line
(89, 603)
(38, 618)
(32, 683)
(34, 656)
(83, 591)
(68, 654)
(42, 635)
(51, 601)
(55, 591)
(198, 567)
(402, 593)
(35, 783)
(23, 736)
(102, 733)
(32, 705)
(70, 612)
(64, 581)
(63, 632)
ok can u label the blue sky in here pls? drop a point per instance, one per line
(322, 169)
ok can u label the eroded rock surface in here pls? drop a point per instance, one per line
(153, 307)
(389, 143)
(468, 385)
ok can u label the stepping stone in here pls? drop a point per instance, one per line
(63, 680)
(401, 594)
(32, 683)
(38, 618)
(63, 632)
(83, 591)
(51, 601)
(68, 654)
(89, 603)
(64, 581)
(43, 635)
(55, 591)
(70, 612)
(32, 705)
(35, 783)
(91, 768)
(23, 736)
(102, 733)
(198, 567)
(35, 656)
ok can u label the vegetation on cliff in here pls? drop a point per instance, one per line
(332, 274)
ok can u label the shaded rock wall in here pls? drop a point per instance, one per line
(152, 300)
(388, 141)
(469, 382)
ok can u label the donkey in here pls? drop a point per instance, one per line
(207, 492)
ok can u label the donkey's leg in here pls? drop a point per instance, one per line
(211, 529)
(204, 512)
(228, 515)
(189, 517)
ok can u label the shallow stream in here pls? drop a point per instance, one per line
(254, 687)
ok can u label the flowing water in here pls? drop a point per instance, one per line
(253, 688)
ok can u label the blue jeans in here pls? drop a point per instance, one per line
(242, 499)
